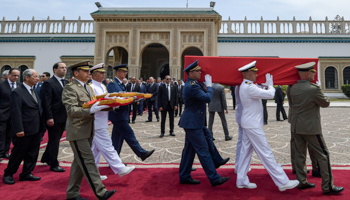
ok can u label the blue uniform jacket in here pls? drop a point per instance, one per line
(195, 100)
(122, 112)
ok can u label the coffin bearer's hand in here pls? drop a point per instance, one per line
(96, 107)
(208, 80)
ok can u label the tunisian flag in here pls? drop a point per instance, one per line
(224, 70)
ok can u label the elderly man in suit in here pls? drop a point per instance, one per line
(218, 104)
(167, 101)
(120, 116)
(279, 100)
(80, 133)
(133, 86)
(152, 102)
(54, 113)
(27, 129)
(306, 99)
(6, 87)
(192, 121)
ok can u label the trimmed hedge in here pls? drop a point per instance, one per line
(346, 89)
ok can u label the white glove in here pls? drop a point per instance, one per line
(318, 83)
(269, 80)
(208, 81)
(95, 108)
(108, 97)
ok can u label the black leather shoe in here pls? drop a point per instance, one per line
(334, 190)
(146, 155)
(108, 194)
(224, 161)
(307, 171)
(193, 169)
(29, 177)
(316, 173)
(77, 198)
(172, 134)
(213, 138)
(57, 169)
(191, 182)
(221, 181)
(133, 122)
(8, 180)
(157, 120)
(161, 135)
(280, 120)
(305, 186)
(228, 138)
(149, 121)
(6, 155)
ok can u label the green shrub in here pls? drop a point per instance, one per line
(346, 89)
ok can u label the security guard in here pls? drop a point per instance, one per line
(306, 99)
(192, 121)
(120, 117)
(102, 143)
(80, 133)
(253, 137)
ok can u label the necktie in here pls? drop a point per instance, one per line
(63, 83)
(13, 85)
(33, 95)
(132, 87)
(86, 89)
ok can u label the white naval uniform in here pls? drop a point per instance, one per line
(254, 137)
(240, 130)
(102, 143)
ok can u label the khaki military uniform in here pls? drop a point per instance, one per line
(79, 131)
(306, 99)
(292, 143)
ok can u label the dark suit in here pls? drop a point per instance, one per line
(266, 115)
(53, 108)
(136, 88)
(121, 129)
(142, 101)
(5, 118)
(232, 88)
(167, 105)
(152, 102)
(180, 101)
(279, 99)
(26, 117)
(38, 88)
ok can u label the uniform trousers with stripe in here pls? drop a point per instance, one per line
(238, 147)
(317, 146)
(255, 139)
(102, 144)
(84, 165)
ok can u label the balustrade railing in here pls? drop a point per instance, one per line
(47, 26)
(228, 27)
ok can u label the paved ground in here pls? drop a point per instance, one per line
(336, 131)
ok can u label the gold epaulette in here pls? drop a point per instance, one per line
(314, 84)
(247, 82)
(192, 82)
(70, 83)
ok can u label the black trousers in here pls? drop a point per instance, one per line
(134, 110)
(279, 109)
(179, 108)
(51, 152)
(155, 109)
(234, 101)
(5, 137)
(27, 149)
(166, 110)
(266, 115)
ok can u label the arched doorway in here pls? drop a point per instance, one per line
(115, 56)
(22, 68)
(331, 78)
(346, 75)
(191, 51)
(109, 72)
(155, 61)
(5, 67)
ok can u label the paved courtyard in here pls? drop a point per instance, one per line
(335, 123)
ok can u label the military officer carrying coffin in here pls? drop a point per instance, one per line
(80, 133)
(253, 137)
(306, 99)
(192, 121)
